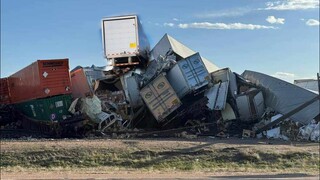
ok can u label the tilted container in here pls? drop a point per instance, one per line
(188, 75)
(124, 41)
(160, 98)
(5, 97)
(82, 81)
(43, 78)
(46, 109)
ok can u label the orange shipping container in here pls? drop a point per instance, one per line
(43, 78)
(82, 79)
(4, 91)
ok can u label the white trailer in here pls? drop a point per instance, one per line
(124, 41)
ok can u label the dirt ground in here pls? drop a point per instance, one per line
(158, 145)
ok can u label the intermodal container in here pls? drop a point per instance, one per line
(4, 91)
(82, 81)
(188, 75)
(160, 98)
(46, 109)
(43, 78)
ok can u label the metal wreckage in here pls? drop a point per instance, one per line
(168, 91)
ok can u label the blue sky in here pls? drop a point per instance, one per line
(279, 38)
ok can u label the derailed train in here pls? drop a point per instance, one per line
(168, 87)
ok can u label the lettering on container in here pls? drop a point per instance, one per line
(33, 111)
(59, 104)
(161, 85)
(185, 66)
(148, 95)
(52, 64)
(52, 116)
(197, 61)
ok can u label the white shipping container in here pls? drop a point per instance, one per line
(160, 97)
(123, 36)
(188, 75)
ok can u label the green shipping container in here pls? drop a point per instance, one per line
(46, 109)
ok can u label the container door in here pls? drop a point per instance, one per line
(119, 37)
(194, 71)
(160, 98)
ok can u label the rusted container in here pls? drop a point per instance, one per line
(4, 91)
(43, 78)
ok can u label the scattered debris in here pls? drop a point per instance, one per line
(168, 90)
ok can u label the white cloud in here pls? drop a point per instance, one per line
(274, 20)
(224, 13)
(292, 5)
(312, 22)
(285, 76)
(207, 25)
(175, 19)
(168, 24)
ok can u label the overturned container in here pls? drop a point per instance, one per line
(82, 80)
(124, 41)
(160, 98)
(43, 78)
(188, 75)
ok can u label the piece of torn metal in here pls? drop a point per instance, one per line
(226, 75)
(284, 97)
(217, 96)
(228, 113)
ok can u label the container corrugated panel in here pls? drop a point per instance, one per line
(46, 109)
(188, 75)
(43, 78)
(4, 91)
(160, 98)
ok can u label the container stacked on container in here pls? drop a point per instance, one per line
(42, 90)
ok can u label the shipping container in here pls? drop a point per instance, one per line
(160, 98)
(4, 91)
(82, 80)
(188, 75)
(124, 41)
(43, 78)
(46, 109)
(168, 43)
